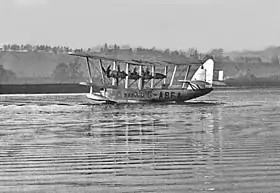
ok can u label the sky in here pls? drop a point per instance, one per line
(173, 24)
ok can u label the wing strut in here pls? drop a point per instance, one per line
(90, 74)
(186, 75)
(115, 80)
(140, 85)
(173, 75)
(126, 77)
(89, 71)
(165, 73)
(153, 75)
(102, 75)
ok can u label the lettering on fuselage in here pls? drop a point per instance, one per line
(168, 95)
(137, 94)
(149, 94)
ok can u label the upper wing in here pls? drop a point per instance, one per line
(137, 61)
(102, 57)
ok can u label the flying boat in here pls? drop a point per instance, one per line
(146, 81)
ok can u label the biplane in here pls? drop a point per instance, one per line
(145, 81)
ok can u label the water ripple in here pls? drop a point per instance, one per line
(227, 141)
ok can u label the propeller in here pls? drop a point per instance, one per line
(135, 70)
(108, 71)
(108, 68)
(147, 70)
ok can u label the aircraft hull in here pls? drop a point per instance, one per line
(147, 95)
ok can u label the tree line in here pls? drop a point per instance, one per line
(217, 54)
(104, 48)
(36, 48)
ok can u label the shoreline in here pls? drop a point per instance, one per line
(6, 89)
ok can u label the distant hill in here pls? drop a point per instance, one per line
(31, 64)
(266, 55)
(38, 67)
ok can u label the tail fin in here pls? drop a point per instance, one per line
(205, 72)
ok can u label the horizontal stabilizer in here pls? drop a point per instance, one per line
(185, 81)
(195, 82)
(218, 83)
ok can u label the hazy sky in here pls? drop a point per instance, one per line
(174, 24)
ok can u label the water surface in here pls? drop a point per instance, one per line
(227, 141)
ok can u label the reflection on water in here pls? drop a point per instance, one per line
(225, 142)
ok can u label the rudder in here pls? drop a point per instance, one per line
(205, 72)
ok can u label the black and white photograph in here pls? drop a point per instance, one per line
(132, 96)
